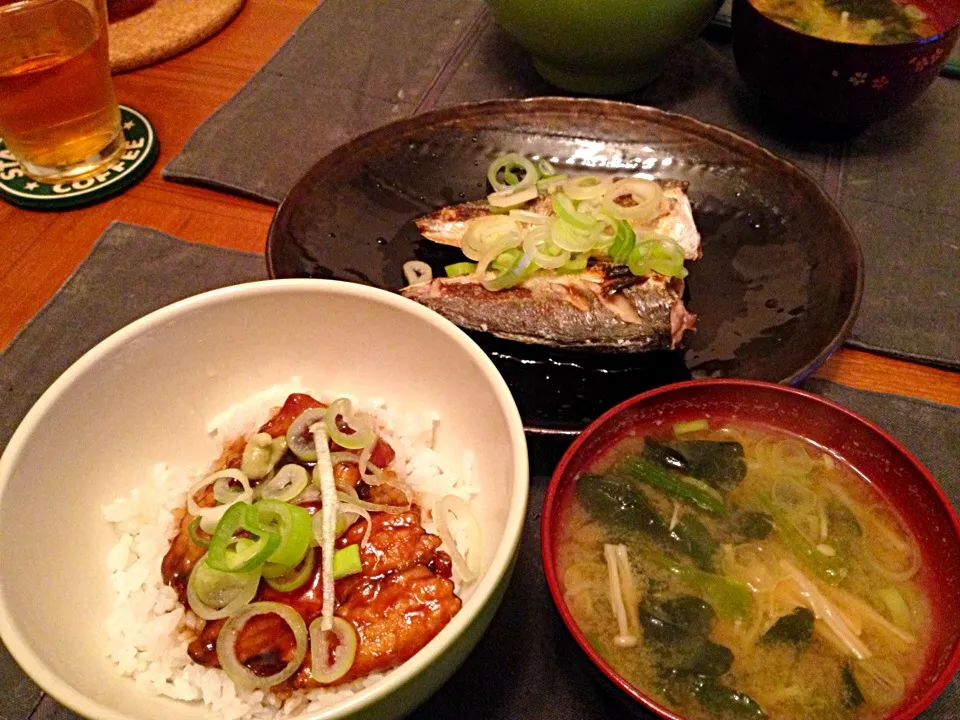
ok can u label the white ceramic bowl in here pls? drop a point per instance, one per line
(145, 394)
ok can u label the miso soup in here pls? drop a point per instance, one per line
(737, 572)
(866, 22)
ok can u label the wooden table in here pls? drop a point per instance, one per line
(40, 250)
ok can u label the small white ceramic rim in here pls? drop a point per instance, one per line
(499, 564)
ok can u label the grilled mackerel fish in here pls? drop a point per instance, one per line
(675, 219)
(603, 307)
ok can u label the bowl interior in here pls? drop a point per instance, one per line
(145, 396)
(944, 14)
(874, 454)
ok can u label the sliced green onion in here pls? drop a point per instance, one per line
(363, 433)
(298, 435)
(372, 507)
(197, 536)
(666, 257)
(623, 243)
(542, 251)
(489, 232)
(565, 210)
(566, 237)
(899, 610)
(289, 579)
(551, 184)
(227, 554)
(346, 561)
(545, 168)
(508, 164)
(212, 594)
(691, 426)
(243, 676)
(510, 177)
(914, 13)
(639, 259)
(586, 187)
(212, 515)
(575, 264)
(607, 230)
(416, 272)
(730, 598)
(646, 195)
(289, 482)
(347, 515)
(292, 524)
(514, 197)
(511, 276)
(257, 456)
(460, 268)
(322, 669)
(689, 489)
(506, 260)
(830, 569)
(226, 493)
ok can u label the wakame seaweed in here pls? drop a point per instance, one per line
(692, 538)
(618, 501)
(680, 627)
(852, 697)
(797, 627)
(718, 463)
(753, 525)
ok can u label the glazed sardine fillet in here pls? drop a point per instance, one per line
(603, 305)
(577, 310)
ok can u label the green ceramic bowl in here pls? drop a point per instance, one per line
(603, 47)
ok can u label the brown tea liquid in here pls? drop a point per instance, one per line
(58, 111)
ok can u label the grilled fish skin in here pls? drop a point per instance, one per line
(448, 225)
(598, 308)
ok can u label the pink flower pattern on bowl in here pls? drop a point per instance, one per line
(922, 62)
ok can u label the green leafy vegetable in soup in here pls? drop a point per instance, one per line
(865, 22)
(736, 572)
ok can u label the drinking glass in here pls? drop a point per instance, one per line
(58, 111)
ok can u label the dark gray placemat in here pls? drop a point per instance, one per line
(320, 90)
(900, 189)
(526, 666)
(350, 67)
(130, 272)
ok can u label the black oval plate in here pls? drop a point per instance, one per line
(776, 290)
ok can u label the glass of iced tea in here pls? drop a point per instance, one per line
(58, 112)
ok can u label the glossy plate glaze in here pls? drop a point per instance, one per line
(776, 290)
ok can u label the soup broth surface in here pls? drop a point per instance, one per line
(793, 591)
(865, 22)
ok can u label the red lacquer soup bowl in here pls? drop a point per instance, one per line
(893, 471)
(825, 86)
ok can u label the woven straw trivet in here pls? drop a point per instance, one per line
(164, 28)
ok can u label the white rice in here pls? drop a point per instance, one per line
(149, 630)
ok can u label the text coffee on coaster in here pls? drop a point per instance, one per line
(139, 155)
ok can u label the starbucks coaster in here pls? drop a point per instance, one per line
(134, 163)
